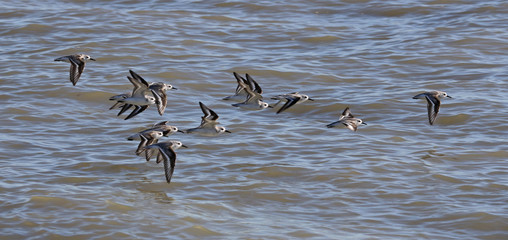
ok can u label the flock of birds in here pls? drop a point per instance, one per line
(247, 91)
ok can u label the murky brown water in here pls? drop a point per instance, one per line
(67, 170)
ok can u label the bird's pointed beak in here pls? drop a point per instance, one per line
(180, 131)
(310, 99)
(448, 96)
(93, 59)
(364, 123)
(174, 88)
(270, 106)
(227, 131)
(184, 146)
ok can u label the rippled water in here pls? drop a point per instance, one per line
(69, 172)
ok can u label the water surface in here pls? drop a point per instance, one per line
(69, 172)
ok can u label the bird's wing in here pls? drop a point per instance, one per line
(432, 108)
(241, 83)
(169, 159)
(346, 114)
(137, 111)
(290, 102)
(351, 125)
(208, 113)
(76, 69)
(125, 107)
(254, 86)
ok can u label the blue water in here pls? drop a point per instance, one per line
(69, 172)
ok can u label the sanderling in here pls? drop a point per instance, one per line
(254, 86)
(291, 99)
(209, 123)
(161, 88)
(148, 138)
(77, 65)
(140, 97)
(161, 126)
(140, 104)
(165, 128)
(166, 154)
(433, 99)
(348, 120)
(254, 100)
(240, 92)
(118, 97)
